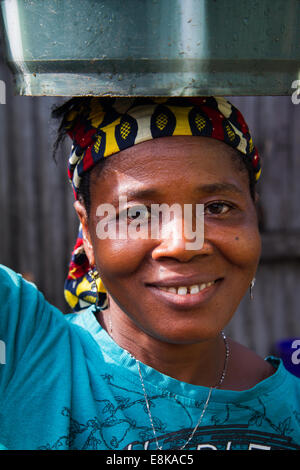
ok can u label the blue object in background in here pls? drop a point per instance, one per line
(289, 352)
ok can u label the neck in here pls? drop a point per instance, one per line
(200, 363)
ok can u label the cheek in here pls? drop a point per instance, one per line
(240, 247)
(247, 247)
(120, 258)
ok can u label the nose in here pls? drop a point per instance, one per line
(175, 242)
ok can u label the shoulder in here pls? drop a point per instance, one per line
(9, 278)
(246, 368)
(15, 291)
(23, 307)
(13, 287)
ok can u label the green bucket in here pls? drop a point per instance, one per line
(152, 47)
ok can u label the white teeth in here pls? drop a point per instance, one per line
(184, 290)
(172, 289)
(194, 289)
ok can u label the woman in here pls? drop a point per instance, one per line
(148, 366)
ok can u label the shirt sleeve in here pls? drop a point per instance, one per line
(22, 312)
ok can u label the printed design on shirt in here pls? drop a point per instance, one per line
(258, 417)
(297, 416)
(232, 437)
(123, 423)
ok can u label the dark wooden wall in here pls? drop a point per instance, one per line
(274, 313)
(38, 224)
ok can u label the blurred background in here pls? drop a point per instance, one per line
(38, 225)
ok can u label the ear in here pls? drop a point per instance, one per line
(88, 248)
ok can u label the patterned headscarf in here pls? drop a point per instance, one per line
(104, 126)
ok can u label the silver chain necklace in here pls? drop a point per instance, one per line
(206, 402)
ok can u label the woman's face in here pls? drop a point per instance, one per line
(143, 276)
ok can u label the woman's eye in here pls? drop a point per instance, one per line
(217, 208)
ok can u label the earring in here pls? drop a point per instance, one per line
(102, 303)
(251, 288)
(94, 276)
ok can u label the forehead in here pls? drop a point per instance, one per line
(183, 160)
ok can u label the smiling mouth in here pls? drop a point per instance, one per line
(185, 295)
(186, 290)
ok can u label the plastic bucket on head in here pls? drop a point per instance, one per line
(289, 352)
(152, 47)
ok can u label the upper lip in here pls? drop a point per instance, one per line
(183, 281)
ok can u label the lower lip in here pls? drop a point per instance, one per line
(188, 300)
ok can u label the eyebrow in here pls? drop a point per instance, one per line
(220, 187)
(141, 193)
(211, 188)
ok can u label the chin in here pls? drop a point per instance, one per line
(187, 336)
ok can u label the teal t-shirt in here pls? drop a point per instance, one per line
(65, 384)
